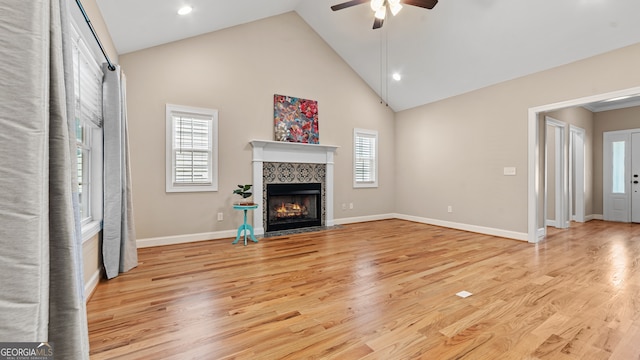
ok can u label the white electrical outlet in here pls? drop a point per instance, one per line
(220, 216)
(450, 208)
(344, 206)
(351, 206)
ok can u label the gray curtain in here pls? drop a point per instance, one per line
(119, 252)
(41, 295)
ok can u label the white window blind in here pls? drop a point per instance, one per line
(87, 83)
(87, 76)
(365, 150)
(192, 150)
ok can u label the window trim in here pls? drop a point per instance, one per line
(211, 114)
(372, 134)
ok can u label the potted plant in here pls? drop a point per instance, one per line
(245, 192)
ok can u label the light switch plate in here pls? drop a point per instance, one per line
(510, 171)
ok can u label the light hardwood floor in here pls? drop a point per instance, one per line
(378, 290)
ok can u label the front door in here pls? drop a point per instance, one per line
(616, 189)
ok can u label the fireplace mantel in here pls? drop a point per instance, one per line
(287, 152)
(280, 151)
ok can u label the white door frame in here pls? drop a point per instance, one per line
(560, 180)
(576, 173)
(534, 147)
(634, 176)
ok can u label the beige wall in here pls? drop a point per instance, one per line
(452, 152)
(622, 119)
(582, 118)
(92, 261)
(237, 71)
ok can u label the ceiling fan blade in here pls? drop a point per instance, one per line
(377, 23)
(347, 4)
(427, 4)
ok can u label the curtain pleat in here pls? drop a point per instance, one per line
(24, 221)
(119, 251)
(40, 252)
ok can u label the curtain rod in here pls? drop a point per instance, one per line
(95, 36)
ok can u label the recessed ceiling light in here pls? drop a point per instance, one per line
(396, 77)
(185, 10)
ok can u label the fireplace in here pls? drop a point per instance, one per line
(293, 206)
(281, 162)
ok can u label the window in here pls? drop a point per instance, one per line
(83, 151)
(87, 76)
(365, 158)
(618, 167)
(192, 149)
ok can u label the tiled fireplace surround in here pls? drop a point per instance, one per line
(276, 162)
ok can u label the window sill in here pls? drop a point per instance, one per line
(191, 188)
(90, 230)
(365, 185)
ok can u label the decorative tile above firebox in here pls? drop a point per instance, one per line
(293, 172)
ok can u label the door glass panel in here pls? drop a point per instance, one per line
(618, 167)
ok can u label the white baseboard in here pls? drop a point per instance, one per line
(593, 217)
(466, 227)
(586, 218)
(187, 238)
(359, 219)
(91, 285)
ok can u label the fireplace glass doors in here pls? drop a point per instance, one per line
(293, 206)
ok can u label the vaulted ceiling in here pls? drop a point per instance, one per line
(457, 47)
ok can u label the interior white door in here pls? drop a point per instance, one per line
(635, 177)
(556, 187)
(616, 189)
(577, 175)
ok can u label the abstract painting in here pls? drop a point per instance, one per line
(295, 119)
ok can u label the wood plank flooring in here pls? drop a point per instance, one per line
(378, 290)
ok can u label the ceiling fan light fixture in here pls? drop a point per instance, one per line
(381, 13)
(376, 5)
(395, 8)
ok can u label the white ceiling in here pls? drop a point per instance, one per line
(459, 46)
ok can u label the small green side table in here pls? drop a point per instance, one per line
(245, 227)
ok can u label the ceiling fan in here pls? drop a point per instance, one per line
(380, 7)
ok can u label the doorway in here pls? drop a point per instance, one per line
(536, 229)
(564, 174)
(577, 184)
(556, 190)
